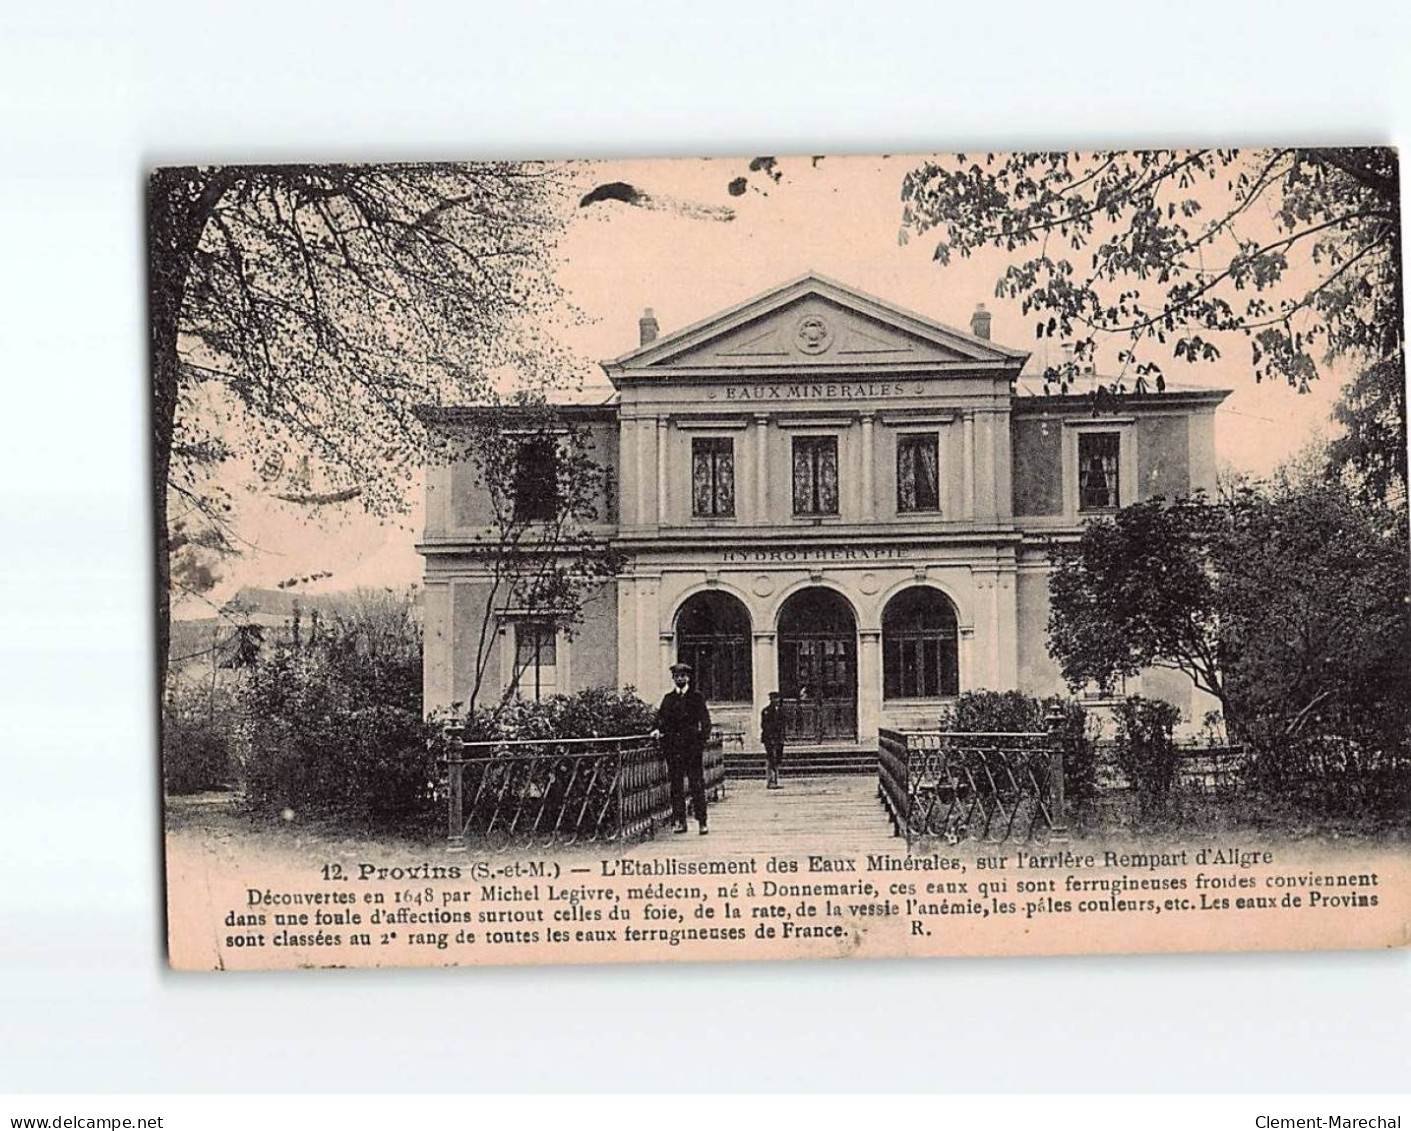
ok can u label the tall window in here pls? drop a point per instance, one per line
(815, 475)
(920, 646)
(713, 477)
(536, 487)
(918, 487)
(713, 636)
(1097, 470)
(535, 659)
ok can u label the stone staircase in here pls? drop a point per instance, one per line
(804, 762)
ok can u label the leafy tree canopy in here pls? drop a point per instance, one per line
(301, 313)
(1170, 252)
(1289, 603)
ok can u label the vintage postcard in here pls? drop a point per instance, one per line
(796, 557)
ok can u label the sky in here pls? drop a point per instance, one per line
(690, 247)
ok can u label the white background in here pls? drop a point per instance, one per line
(91, 95)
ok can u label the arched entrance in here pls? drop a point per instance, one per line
(713, 636)
(920, 646)
(818, 667)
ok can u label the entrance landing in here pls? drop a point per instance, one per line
(822, 814)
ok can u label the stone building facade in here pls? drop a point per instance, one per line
(824, 494)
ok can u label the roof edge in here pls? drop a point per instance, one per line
(467, 414)
(1084, 402)
(783, 293)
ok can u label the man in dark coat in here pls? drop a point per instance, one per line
(683, 726)
(771, 733)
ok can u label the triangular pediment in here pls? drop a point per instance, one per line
(812, 323)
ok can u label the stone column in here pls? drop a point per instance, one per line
(869, 468)
(761, 470)
(869, 684)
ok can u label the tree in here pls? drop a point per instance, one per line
(540, 552)
(1136, 591)
(1315, 620)
(301, 313)
(1169, 252)
(1288, 602)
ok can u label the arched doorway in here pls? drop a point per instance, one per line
(920, 646)
(818, 667)
(713, 636)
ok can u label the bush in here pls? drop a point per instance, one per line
(1146, 751)
(1079, 742)
(1331, 773)
(594, 712)
(336, 725)
(198, 742)
(991, 711)
(994, 711)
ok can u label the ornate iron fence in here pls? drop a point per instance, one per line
(563, 790)
(970, 785)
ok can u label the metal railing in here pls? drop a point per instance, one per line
(563, 790)
(1201, 768)
(969, 785)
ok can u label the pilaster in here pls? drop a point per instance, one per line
(869, 469)
(968, 468)
(1006, 631)
(663, 511)
(765, 659)
(650, 677)
(761, 471)
(869, 683)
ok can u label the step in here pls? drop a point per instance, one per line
(759, 763)
(807, 761)
(804, 772)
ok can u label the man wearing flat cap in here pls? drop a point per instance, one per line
(683, 726)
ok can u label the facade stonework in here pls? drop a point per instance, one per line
(820, 493)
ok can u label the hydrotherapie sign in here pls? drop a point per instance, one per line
(814, 554)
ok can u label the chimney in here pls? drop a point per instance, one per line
(980, 321)
(648, 325)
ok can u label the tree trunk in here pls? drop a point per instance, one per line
(179, 202)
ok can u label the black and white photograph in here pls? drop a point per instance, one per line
(967, 553)
(721, 565)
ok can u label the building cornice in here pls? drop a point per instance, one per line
(814, 371)
(473, 414)
(1117, 405)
